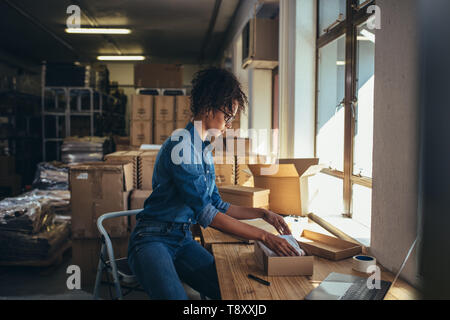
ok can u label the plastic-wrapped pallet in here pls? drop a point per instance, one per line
(51, 176)
(85, 149)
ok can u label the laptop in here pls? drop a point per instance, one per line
(338, 286)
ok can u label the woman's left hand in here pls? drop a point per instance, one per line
(277, 221)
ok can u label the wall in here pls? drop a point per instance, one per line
(396, 143)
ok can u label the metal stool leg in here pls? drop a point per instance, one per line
(100, 268)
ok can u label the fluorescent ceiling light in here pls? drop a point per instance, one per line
(98, 30)
(369, 35)
(340, 63)
(121, 58)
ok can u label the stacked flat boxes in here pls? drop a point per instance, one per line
(125, 157)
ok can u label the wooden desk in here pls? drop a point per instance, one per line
(235, 261)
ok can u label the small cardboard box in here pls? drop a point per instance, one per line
(164, 108)
(141, 107)
(141, 132)
(327, 247)
(98, 188)
(86, 254)
(284, 266)
(153, 75)
(288, 185)
(125, 157)
(163, 130)
(245, 196)
(146, 166)
(137, 199)
(183, 108)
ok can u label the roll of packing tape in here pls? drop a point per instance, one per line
(362, 262)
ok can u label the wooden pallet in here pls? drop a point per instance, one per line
(55, 259)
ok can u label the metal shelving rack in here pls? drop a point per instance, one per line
(66, 111)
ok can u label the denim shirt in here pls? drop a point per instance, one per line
(184, 192)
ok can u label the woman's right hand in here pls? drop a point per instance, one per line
(279, 245)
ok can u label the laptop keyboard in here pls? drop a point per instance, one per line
(360, 291)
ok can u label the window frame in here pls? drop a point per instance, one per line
(348, 27)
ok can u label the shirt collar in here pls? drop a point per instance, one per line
(194, 133)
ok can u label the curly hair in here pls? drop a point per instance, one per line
(215, 89)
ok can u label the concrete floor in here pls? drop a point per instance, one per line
(49, 283)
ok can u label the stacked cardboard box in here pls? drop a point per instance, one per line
(96, 189)
(164, 118)
(182, 111)
(125, 157)
(141, 120)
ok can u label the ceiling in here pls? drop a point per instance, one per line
(175, 31)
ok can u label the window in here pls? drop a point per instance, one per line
(344, 104)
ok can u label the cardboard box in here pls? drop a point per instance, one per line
(164, 108)
(137, 199)
(141, 107)
(98, 188)
(125, 157)
(245, 196)
(288, 185)
(141, 132)
(152, 75)
(327, 247)
(183, 108)
(146, 166)
(284, 266)
(7, 166)
(163, 130)
(86, 254)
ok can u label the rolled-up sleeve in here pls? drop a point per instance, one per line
(217, 201)
(192, 186)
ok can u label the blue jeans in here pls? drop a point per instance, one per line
(162, 254)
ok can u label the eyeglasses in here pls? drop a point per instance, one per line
(229, 118)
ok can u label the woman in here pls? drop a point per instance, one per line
(161, 250)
